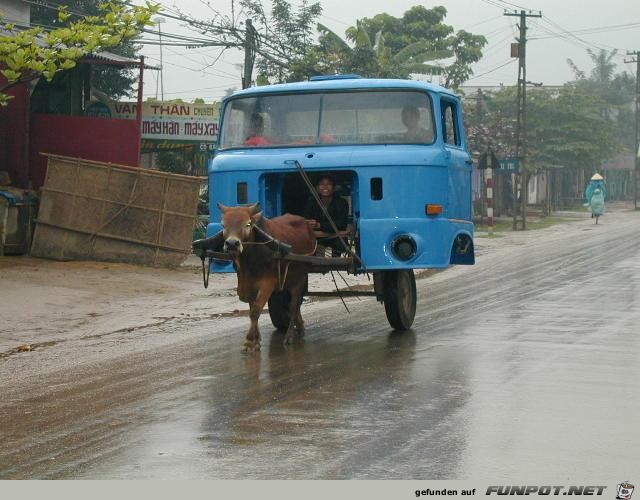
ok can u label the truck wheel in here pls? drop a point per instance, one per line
(279, 309)
(399, 296)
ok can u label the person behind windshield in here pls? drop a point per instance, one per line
(411, 120)
(337, 207)
(255, 132)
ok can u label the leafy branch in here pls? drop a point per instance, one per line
(33, 53)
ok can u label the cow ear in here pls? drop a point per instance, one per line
(256, 217)
(222, 208)
(254, 209)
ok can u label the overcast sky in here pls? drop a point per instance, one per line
(187, 72)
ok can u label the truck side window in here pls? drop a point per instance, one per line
(450, 123)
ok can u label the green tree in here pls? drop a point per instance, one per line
(564, 127)
(280, 38)
(615, 90)
(368, 57)
(288, 33)
(568, 129)
(39, 52)
(113, 82)
(388, 46)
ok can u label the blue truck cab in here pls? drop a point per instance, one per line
(397, 149)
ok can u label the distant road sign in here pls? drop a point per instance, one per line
(510, 165)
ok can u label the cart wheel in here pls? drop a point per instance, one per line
(399, 295)
(279, 309)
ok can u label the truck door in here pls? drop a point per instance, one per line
(459, 160)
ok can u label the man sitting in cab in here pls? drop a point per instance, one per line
(336, 206)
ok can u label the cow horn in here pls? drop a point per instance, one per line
(254, 209)
(222, 208)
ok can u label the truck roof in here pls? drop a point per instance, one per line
(343, 82)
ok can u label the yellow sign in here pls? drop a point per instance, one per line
(172, 121)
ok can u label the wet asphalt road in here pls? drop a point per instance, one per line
(525, 365)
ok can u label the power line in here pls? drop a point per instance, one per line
(500, 44)
(573, 39)
(498, 30)
(190, 69)
(494, 3)
(510, 61)
(336, 20)
(197, 62)
(219, 87)
(481, 22)
(595, 30)
(514, 5)
(569, 33)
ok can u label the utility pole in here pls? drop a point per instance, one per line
(159, 21)
(249, 54)
(476, 150)
(489, 181)
(519, 50)
(636, 54)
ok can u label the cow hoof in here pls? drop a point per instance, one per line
(251, 347)
(292, 336)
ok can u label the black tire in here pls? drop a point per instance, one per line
(399, 296)
(279, 309)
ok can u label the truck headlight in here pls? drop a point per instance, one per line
(404, 247)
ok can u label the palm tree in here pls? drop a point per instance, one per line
(604, 67)
(375, 59)
(602, 80)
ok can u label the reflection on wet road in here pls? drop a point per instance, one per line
(523, 365)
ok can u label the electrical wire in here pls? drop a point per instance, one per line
(596, 30)
(188, 68)
(494, 3)
(481, 22)
(225, 86)
(572, 38)
(510, 61)
(514, 5)
(221, 72)
(566, 34)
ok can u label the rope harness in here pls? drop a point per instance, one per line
(283, 249)
(282, 277)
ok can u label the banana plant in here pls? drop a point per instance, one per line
(376, 59)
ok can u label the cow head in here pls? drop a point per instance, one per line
(237, 225)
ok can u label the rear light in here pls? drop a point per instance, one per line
(433, 209)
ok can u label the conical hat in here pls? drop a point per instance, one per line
(597, 177)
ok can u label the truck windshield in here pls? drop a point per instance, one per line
(371, 117)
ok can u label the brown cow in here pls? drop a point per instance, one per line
(259, 274)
